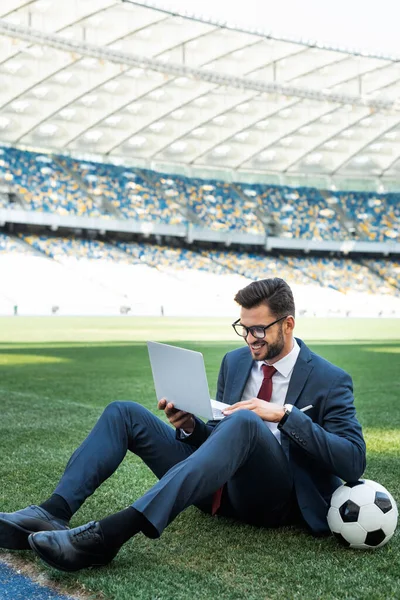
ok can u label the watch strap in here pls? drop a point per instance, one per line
(288, 410)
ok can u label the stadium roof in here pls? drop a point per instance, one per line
(127, 79)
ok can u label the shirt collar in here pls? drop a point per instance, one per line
(285, 365)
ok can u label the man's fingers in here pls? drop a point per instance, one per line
(182, 423)
(238, 406)
(249, 404)
(177, 418)
(170, 412)
(179, 415)
(170, 409)
(182, 420)
(162, 404)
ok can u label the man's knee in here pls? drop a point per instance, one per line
(126, 410)
(244, 420)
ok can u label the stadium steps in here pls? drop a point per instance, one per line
(189, 214)
(13, 197)
(147, 177)
(348, 224)
(31, 249)
(304, 272)
(183, 209)
(36, 250)
(244, 273)
(220, 263)
(284, 259)
(100, 201)
(393, 283)
(269, 223)
(16, 198)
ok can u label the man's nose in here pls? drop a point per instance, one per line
(252, 337)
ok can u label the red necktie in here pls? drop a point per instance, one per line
(264, 393)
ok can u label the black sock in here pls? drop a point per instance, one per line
(119, 528)
(58, 507)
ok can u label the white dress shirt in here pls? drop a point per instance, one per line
(280, 382)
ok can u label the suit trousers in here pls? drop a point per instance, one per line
(241, 452)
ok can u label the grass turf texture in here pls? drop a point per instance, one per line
(58, 374)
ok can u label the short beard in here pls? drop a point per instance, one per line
(276, 348)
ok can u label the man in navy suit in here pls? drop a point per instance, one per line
(289, 437)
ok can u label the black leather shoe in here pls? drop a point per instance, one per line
(16, 527)
(74, 549)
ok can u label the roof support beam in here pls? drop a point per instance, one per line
(365, 144)
(321, 141)
(392, 163)
(262, 33)
(56, 41)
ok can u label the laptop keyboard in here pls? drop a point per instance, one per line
(217, 408)
(218, 414)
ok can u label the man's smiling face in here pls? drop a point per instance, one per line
(277, 341)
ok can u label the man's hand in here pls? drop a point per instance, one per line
(265, 410)
(178, 418)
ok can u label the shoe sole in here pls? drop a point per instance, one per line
(50, 563)
(13, 537)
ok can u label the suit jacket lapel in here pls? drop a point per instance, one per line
(301, 371)
(239, 381)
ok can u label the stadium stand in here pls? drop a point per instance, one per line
(127, 190)
(44, 185)
(213, 204)
(347, 276)
(10, 245)
(301, 212)
(389, 270)
(257, 266)
(44, 274)
(176, 259)
(66, 186)
(343, 275)
(62, 248)
(376, 217)
(91, 276)
(116, 282)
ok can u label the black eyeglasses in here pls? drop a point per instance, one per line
(257, 331)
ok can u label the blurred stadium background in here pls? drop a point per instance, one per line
(153, 162)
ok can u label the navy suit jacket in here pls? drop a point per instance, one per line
(324, 445)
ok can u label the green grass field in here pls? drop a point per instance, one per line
(57, 374)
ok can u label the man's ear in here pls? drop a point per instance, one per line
(289, 324)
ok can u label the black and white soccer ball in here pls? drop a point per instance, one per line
(362, 515)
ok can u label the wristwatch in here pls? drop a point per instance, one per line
(288, 409)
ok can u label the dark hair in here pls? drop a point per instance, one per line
(274, 292)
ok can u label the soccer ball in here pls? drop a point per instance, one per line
(362, 515)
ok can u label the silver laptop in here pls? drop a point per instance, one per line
(180, 377)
